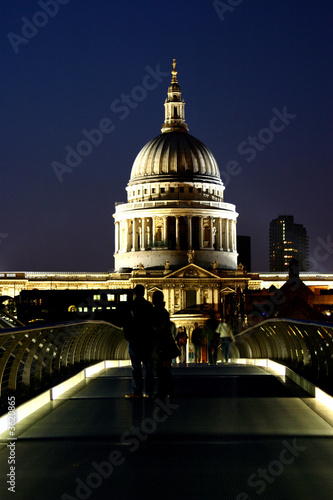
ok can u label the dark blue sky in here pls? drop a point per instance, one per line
(233, 68)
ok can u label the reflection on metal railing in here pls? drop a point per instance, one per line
(302, 345)
(30, 358)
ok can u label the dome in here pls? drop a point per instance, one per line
(175, 210)
(175, 156)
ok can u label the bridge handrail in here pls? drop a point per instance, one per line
(304, 345)
(31, 357)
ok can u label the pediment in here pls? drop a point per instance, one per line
(227, 290)
(192, 271)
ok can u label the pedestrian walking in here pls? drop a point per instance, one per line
(164, 346)
(212, 337)
(138, 333)
(226, 338)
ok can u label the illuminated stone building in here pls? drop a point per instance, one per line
(175, 202)
(175, 233)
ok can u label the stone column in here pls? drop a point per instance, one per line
(126, 237)
(216, 296)
(227, 235)
(143, 234)
(211, 233)
(148, 241)
(116, 242)
(234, 236)
(153, 230)
(189, 231)
(230, 235)
(138, 239)
(181, 297)
(210, 296)
(201, 232)
(165, 227)
(177, 232)
(220, 233)
(172, 300)
(223, 306)
(198, 295)
(133, 235)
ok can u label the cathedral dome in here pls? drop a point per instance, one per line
(175, 202)
(175, 156)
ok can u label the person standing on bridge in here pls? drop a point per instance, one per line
(181, 339)
(198, 340)
(164, 346)
(138, 333)
(212, 336)
(226, 338)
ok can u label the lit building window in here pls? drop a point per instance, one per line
(123, 298)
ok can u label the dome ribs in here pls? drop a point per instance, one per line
(167, 157)
(177, 157)
(183, 160)
(156, 164)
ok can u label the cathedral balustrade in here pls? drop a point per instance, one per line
(126, 207)
(300, 345)
(31, 358)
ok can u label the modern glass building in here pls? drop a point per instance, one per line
(287, 241)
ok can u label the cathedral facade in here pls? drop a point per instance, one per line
(175, 233)
(175, 211)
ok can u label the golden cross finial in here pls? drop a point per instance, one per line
(174, 72)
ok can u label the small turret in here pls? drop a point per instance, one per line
(174, 106)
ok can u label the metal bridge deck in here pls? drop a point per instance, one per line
(231, 432)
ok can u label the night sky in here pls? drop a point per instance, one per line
(237, 68)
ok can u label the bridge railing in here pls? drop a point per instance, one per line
(33, 357)
(301, 345)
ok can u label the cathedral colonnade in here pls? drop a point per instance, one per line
(139, 238)
(175, 232)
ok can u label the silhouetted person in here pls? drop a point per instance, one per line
(181, 339)
(226, 339)
(212, 337)
(164, 346)
(138, 333)
(198, 342)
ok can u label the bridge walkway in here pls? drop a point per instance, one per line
(231, 432)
